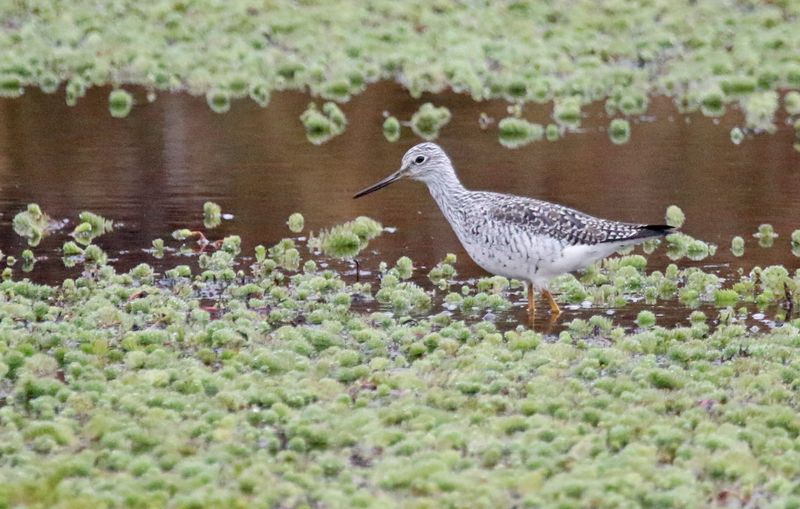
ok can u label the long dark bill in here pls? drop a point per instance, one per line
(380, 184)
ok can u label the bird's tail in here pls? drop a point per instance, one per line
(652, 230)
(641, 233)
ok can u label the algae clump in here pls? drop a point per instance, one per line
(517, 132)
(32, 224)
(120, 103)
(619, 130)
(296, 222)
(91, 226)
(219, 100)
(321, 126)
(428, 120)
(391, 129)
(212, 214)
(675, 216)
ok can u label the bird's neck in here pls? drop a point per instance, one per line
(447, 192)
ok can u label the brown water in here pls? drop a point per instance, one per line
(153, 170)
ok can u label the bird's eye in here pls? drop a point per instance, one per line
(419, 159)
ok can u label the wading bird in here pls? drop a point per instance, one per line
(513, 236)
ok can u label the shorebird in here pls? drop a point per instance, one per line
(514, 236)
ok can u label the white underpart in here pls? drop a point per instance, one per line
(545, 259)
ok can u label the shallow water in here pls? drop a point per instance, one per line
(152, 171)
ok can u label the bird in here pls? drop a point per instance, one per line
(522, 238)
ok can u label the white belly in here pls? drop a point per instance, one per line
(538, 260)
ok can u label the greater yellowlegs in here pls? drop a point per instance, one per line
(513, 236)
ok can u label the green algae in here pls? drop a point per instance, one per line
(713, 103)
(32, 224)
(120, 103)
(158, 248)
(75, 89)
(138, 384)
(212, 215)
(391, 129)
(405, 267)
(674, 216)
(260, 94)
(282, 394)
(737, 246)
(626, 101)
(28, 260)
(759, 109)
(616, 281)
(443, 273)
(791, 102)
(345, 241)
(71, 249)
(428, 120)
(737, 136)
(704, 55)
(552, 132)
(90, 227)
(681, 245)
(619, 131)
(518, 132)
(296, 222)
(11, 85)
(766, 235)
(567, 111)
(321, 126)
(218, 100)
(646, 319)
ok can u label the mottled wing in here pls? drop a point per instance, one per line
(568, 225)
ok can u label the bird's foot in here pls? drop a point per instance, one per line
(554, 309)
(531, 303)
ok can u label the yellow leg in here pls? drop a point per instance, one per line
(553, 304)
(531, 301)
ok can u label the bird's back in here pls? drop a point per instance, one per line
(533, 217)
(535, 240)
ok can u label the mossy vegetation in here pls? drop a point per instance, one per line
(120, 103)
(737, 246)
(391, 129)
(552, 132)
(323, 125)
(260, 379)
(791, 102)
(428, 120)
(296, 222)
(347, 240)
(212, 214)
(706, 55)
(619, 130)
(766, 235)
(274, 378)
(32, 224)
(737, 135)
(218, 100)
(567, 111)
(91, 226)
(517, 132)
(675, 216)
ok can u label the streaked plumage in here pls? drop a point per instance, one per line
(514, 236)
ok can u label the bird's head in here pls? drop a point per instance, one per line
(424, 162)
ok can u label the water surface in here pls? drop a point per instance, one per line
(152, 171)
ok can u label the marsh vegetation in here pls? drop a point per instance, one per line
(193, 313)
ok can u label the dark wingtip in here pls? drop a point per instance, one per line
(659, 228)
(656, 230)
